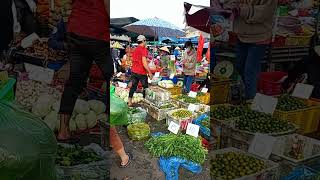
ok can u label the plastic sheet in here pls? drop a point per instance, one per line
(118, 111)
(170, 166)
(28, 147)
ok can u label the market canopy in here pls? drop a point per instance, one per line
(197, 17)
(155, 27)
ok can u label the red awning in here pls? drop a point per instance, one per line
(199, 20)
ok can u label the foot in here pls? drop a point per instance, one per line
(127, 160)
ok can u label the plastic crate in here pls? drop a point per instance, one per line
(155, 112)
(219, 92)
(195, 87)
(269, 83)
(307, 119)
(6, 91)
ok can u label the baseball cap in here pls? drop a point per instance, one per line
(141, 38)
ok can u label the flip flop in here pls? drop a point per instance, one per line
(128, 163)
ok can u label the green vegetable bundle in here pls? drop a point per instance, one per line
(183, 146)
(289, 103)
(72, 156)
(187, 99)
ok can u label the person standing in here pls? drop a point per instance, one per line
(6, 31)
(189, 61)
(140, 68)
(88, 40)
(253, 24)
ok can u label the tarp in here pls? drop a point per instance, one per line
(197, 17)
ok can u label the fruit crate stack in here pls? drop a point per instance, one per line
(225, 166)
(293, 151)
(180, 116)
(158, 113)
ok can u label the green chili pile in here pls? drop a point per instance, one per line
(183, 146)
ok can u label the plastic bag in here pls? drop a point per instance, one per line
(137, 117)
(28, 146)
(95, 170)
(170, 166)
(118, 111)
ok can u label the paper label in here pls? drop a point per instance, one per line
(39, 74)
(265, 104)
(193, 130)
(192, 94)
(204, 90)
(122, 85)
(28, 41)
(171, 76)
(303, 91)
(174, 127)
(262, 145)
(172, 57)
(193, 108)
(157, 74)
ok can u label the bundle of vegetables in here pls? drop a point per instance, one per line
(136, 115)
(233, 165)
(72, 156)
(289, 103)
(166, 84)
(124, 95)
(138, 131)
(187, 99)
(85, 115)
(166, 106)
(181, 114)
(181, 145)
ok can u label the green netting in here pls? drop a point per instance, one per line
(28, 147)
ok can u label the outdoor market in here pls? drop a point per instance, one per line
(268, 125)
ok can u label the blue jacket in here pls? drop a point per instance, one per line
(57, 38)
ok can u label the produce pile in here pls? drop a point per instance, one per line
(41, 49)
(181, 114)
(166, 84)
(252, 121)
(187, 99)
(124, 95)
(181, 145)
(167, 106)
(234, 165)
(72, 156)
(138, 131)
(289, 103)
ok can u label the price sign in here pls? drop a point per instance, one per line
(39, 74)
(174, 127)
(171, 76)
(157, 74)
(303, 91)
(119, 74)
(28, 41)
(193, 107)
(122, 85)
(172, 57)
(265, 104)
(262, 145)
(193, 130)
(192, 94)
(204, 90)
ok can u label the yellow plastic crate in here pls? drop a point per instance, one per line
(204, 99)
(219, 92)
(307, 119)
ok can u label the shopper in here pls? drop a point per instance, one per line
(140, 68)
(88, 41)
(253, 24)
(6, 31)
(189, 61)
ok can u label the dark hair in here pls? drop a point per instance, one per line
(187, 44)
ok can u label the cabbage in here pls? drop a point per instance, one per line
(81, 122)
(91, 118)
(97, 106)
(41, 110)
(72, 125)
(82, 107)
(51, 120)
(56, 106)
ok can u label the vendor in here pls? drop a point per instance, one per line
(308, 66)
(6, 31)
(140, 68)
(253, 24)
(164, 57)
(189, 61)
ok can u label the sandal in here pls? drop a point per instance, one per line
(129, 161)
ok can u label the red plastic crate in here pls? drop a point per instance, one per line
(269, 83)
(195, 87)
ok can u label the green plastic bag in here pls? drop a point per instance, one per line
(118, 111)
(28, 147)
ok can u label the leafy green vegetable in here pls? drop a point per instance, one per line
(181, 145)
(187, 99)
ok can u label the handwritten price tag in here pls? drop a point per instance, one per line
(204, 90)
(265, 104)
(262, 145)
(39, 74)
(303, 91)
(171, 76)
(122, 85)
(193, 130)
(192, 94)
(174, 127)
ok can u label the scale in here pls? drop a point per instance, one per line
(224, 69)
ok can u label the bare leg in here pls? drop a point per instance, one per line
(123, 155)
(64, 130)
